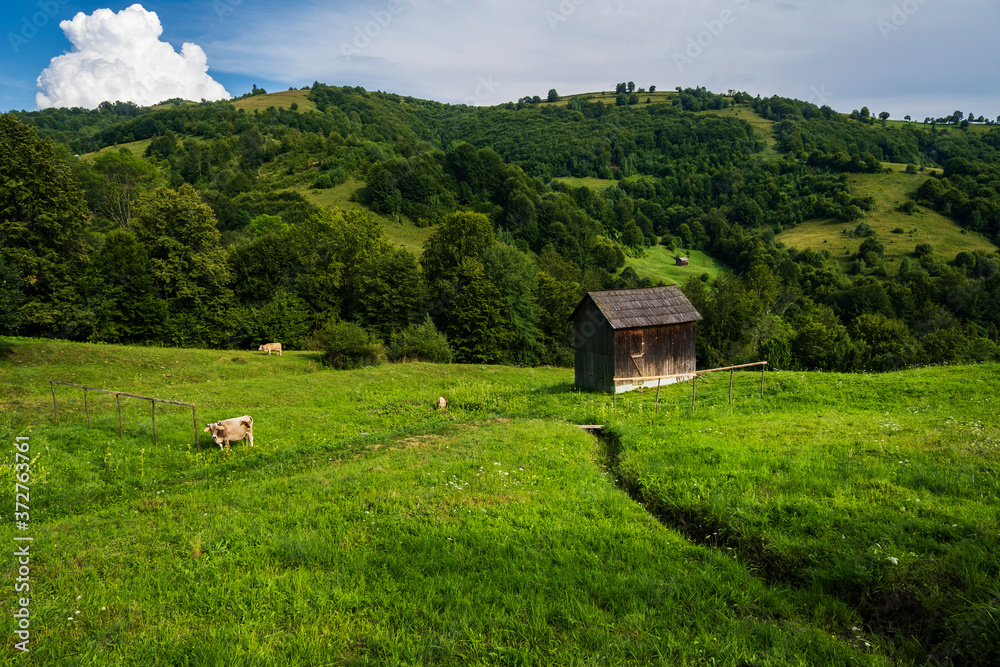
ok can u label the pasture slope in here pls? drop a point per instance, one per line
(838, 520)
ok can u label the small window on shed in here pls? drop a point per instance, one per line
(636, 347)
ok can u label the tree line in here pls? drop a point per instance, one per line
(207, 239)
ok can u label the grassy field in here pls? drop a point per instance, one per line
(367, 527)
(598, 184)
(889, 190)
(403, 233)
(658, 263)
(280, 100)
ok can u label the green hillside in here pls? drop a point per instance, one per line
(224, 224)
(900, 232)
(846, 519)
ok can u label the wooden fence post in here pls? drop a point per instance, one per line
(55, 410)
(656, 404)
(763, 367)
(121, 430)
(86, 407)
(194, 417)
(694, 391)
(732, 372)
(153, 403)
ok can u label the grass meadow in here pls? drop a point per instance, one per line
(840, 519)
(660, 264)
(889, 190)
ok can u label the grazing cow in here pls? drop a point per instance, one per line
(227, 430)
(441, 403)
(271, 347)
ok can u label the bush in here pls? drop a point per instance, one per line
(420, 342)
(863, 230)
(345, 345)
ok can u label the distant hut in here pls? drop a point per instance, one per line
(682, 261)
(622, 335)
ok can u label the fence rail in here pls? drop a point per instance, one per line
(694, 384)
(118, 397)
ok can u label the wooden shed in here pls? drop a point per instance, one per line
(623, 335)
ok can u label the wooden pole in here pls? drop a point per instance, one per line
(694, 391)
(731, 373)
(194, 417)
(55, 410)
(86, 407)
(762, 369)
(153, 403)
(121, 430)
(656, 404)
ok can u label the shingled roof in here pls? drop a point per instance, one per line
(643, 307)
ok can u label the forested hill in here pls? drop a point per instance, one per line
(210, 224)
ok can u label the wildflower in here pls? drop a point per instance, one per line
(892, 559)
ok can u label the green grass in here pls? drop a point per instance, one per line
(367, 527)
(598, 184)
(280, 100)
(660, 264)
(889, 190)
(403, 234)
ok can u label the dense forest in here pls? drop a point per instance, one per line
(208, 236)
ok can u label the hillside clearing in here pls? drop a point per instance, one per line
(889, 190)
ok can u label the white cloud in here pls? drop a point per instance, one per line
(119, 57)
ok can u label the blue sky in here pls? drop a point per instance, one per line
(917, 57)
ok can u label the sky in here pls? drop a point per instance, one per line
(908, 57)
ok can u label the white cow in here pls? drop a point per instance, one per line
(271, 347)
(227, 430)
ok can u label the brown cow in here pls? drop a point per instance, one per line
(271, 347)
(227, 430)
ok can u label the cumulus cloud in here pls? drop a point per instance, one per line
(119, 57)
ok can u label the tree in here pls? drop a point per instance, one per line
(652, 89)
(631, 87)
(43, 218)
(11, 298)
(121, 292)
(115, 181)
(188, 262)
(884, 116)
(515, 276)
(390, 292)
(553, 96)
(462, 235)
(472, 316)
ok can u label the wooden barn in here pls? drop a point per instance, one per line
(624, 335)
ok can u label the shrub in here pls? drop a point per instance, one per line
(864, 230)
(420, 342)
(345, 345)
